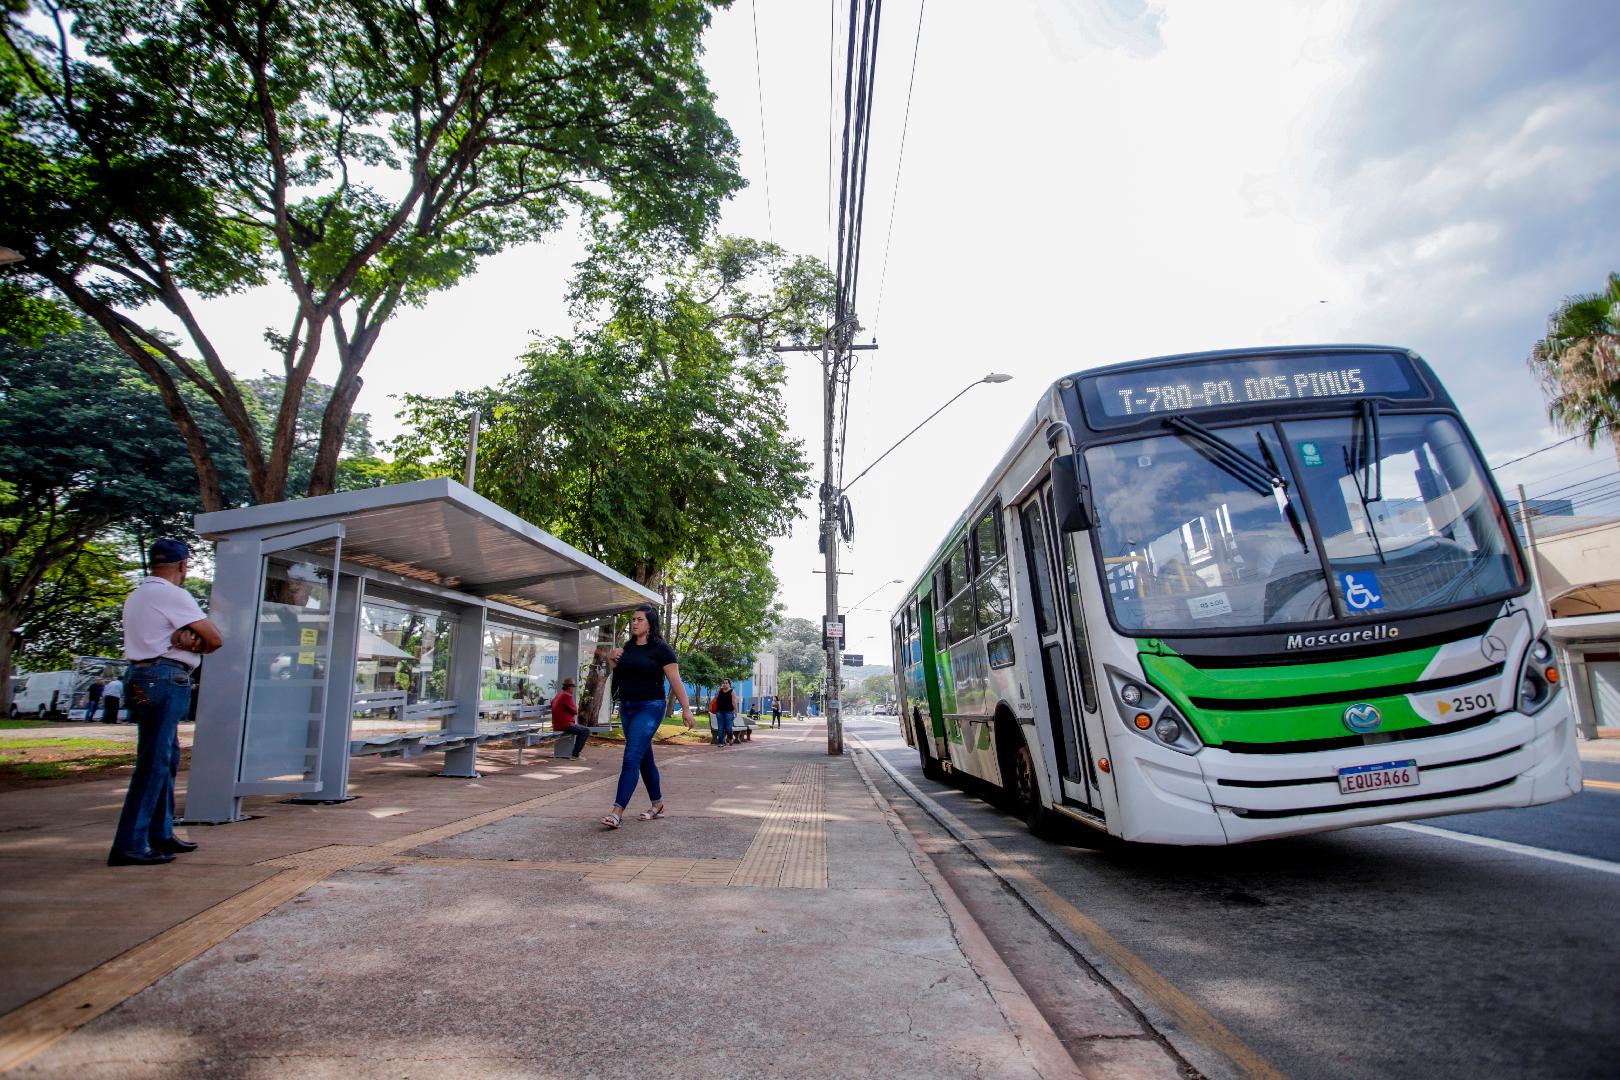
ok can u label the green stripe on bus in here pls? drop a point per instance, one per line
(1297, 724)
(1182, 681)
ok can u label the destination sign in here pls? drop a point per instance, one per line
(1225, 383)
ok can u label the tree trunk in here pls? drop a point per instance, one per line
(8, 623)
(208, 487)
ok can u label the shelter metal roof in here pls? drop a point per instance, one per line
(442, 533)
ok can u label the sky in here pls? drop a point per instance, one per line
(1090, 181)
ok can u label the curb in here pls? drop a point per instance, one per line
(1042, 1048)
(1201, 1040)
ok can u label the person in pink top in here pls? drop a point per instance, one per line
(565, 716)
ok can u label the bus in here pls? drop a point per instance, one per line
(1227, 596)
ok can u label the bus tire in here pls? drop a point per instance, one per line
(1024, 791)
(930, 767)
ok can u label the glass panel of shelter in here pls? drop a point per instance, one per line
(402, 667)
(521, 672)
(292, 645)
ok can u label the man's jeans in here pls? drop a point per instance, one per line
(158, 696)
(640, 720)
(725, 721)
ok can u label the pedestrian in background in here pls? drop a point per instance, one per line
(92, 700)
(640, 667)
(112, 700)
(165, 633)
(724, 708)
(776, 713)
(565, 717)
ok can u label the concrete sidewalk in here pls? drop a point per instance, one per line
(774, 924)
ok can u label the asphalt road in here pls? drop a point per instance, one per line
(1377, 952)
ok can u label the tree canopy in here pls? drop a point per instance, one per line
(656, 433)
(82, 459)
(361, 153)
(1578, 363)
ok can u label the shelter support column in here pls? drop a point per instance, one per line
(467, 685)
(1578, 684)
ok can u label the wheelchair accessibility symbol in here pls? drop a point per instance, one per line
(1361, 591)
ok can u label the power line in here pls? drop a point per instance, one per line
(1551, 446)
(900, 164)
(764, 145)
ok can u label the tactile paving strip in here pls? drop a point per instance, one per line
(790, 849)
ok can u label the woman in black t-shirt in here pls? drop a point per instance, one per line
(640, 667)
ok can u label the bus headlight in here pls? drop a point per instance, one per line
(1538, 678)
(1150, 715)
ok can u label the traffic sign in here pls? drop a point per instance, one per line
(834, 629)
(854, 659)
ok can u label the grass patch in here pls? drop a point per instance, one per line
(59, 770)
(114, 745)
(21, 723)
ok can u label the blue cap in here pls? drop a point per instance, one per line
(168, 551)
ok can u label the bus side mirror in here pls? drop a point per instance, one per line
(1071, 498)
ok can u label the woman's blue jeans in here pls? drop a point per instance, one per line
(640, 720)
(724, 721)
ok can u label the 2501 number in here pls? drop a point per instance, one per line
(1473, 702)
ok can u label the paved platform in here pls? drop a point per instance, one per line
(777, 923)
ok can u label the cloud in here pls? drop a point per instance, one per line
(1472, 167)
(1133, 27)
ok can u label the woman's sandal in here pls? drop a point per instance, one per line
(613, 821)
(651, 813)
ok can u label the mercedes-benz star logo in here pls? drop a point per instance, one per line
(1493, 647)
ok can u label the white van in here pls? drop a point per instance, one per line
(43, 693)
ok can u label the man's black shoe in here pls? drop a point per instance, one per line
(174, 846)
(138, 858)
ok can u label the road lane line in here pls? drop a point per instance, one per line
(1606, 785)
(1582, 861)
(1191, 1018)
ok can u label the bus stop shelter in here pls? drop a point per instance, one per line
(414, 616)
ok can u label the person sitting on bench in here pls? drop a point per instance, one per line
(565, 717)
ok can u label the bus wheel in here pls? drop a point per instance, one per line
(1026, 792)
(930, 767)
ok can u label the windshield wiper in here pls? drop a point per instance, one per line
(1262, 477)
(1233, 461)
(1367, 460)
(1285, 505)
(1365, 464)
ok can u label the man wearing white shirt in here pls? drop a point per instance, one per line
(164, 634)
(112, 698)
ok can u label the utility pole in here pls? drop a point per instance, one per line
(833, 356)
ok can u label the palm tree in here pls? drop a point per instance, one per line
(1578, 363)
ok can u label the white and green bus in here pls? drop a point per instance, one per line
(1219, 597)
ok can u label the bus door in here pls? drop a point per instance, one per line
(1065, 659)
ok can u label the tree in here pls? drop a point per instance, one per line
(363, 153)
(77, 610)
(797, 645)
(654, 439)
(659, 426)
(82, 460)
(1578, 363)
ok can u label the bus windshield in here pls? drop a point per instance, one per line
(1268, 524)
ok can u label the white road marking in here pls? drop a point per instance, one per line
(1582, 861)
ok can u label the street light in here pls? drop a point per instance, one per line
(993, 377)
(832, 499)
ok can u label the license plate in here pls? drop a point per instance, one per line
(1389, 774)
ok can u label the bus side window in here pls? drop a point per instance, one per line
(992, 589)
